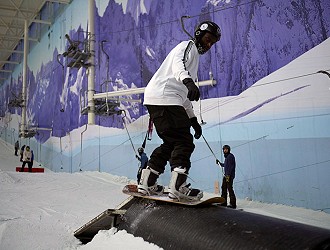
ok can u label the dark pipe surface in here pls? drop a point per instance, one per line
(182, 227)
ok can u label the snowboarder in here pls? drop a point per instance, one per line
(143, 161)
(168, 98)
(227, 181)
(27, 158)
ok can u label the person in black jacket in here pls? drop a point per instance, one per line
(21, 153)
(229, 174)
(16, 147)
(143, 161)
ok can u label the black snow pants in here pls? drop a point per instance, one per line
(29, 166)
(173, 127)
(228, 186)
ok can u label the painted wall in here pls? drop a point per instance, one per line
(269, 104)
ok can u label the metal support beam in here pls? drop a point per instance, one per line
(9, 38)
(91, 68)
(6, 71)
(41, 21)
(59, 1)
(120, 93)
(136, 91)
(24, 87)
(44, 129)
(10, 62)
(29, 20)
(12, 51)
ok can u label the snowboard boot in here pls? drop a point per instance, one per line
(148, 184)
(179, 189)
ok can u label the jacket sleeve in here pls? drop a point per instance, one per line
(183, 56)
(189, 108)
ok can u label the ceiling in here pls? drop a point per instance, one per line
(13, 14)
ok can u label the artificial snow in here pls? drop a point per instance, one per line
(42, 210)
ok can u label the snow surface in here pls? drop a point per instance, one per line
(42, 210)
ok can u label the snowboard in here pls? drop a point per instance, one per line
(132, 190)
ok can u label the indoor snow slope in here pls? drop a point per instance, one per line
(42, 210)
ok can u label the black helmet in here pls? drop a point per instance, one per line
(140, 150)
(204, 27)
(227, 147)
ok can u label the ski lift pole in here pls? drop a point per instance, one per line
(61, 152)
(107, 80)
(184, 29)
(150, 128)
(209, 148)
(200, 107)
(129, 137)
(217, 161)
(144, 141)
(81, 146)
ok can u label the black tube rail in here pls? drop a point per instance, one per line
(215, 227)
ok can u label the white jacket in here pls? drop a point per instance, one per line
(27, 155)
(166, 87)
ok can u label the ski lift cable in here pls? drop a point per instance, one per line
(184, 29)
(324, 72)
(129, 136)
(203, 123)
(107, 80)
(148, 133)
(200, 106)
(63, 76)
(61, 152)
(208, 145)
(220, 9)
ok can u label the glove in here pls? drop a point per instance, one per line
(227, 178)
(137, 157)
(193, 91)
(196, 127)
(217, 162)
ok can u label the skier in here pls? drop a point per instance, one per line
(168, 98)
(227, 181)
(143, 159)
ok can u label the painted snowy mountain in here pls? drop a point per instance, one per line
(258, 38)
